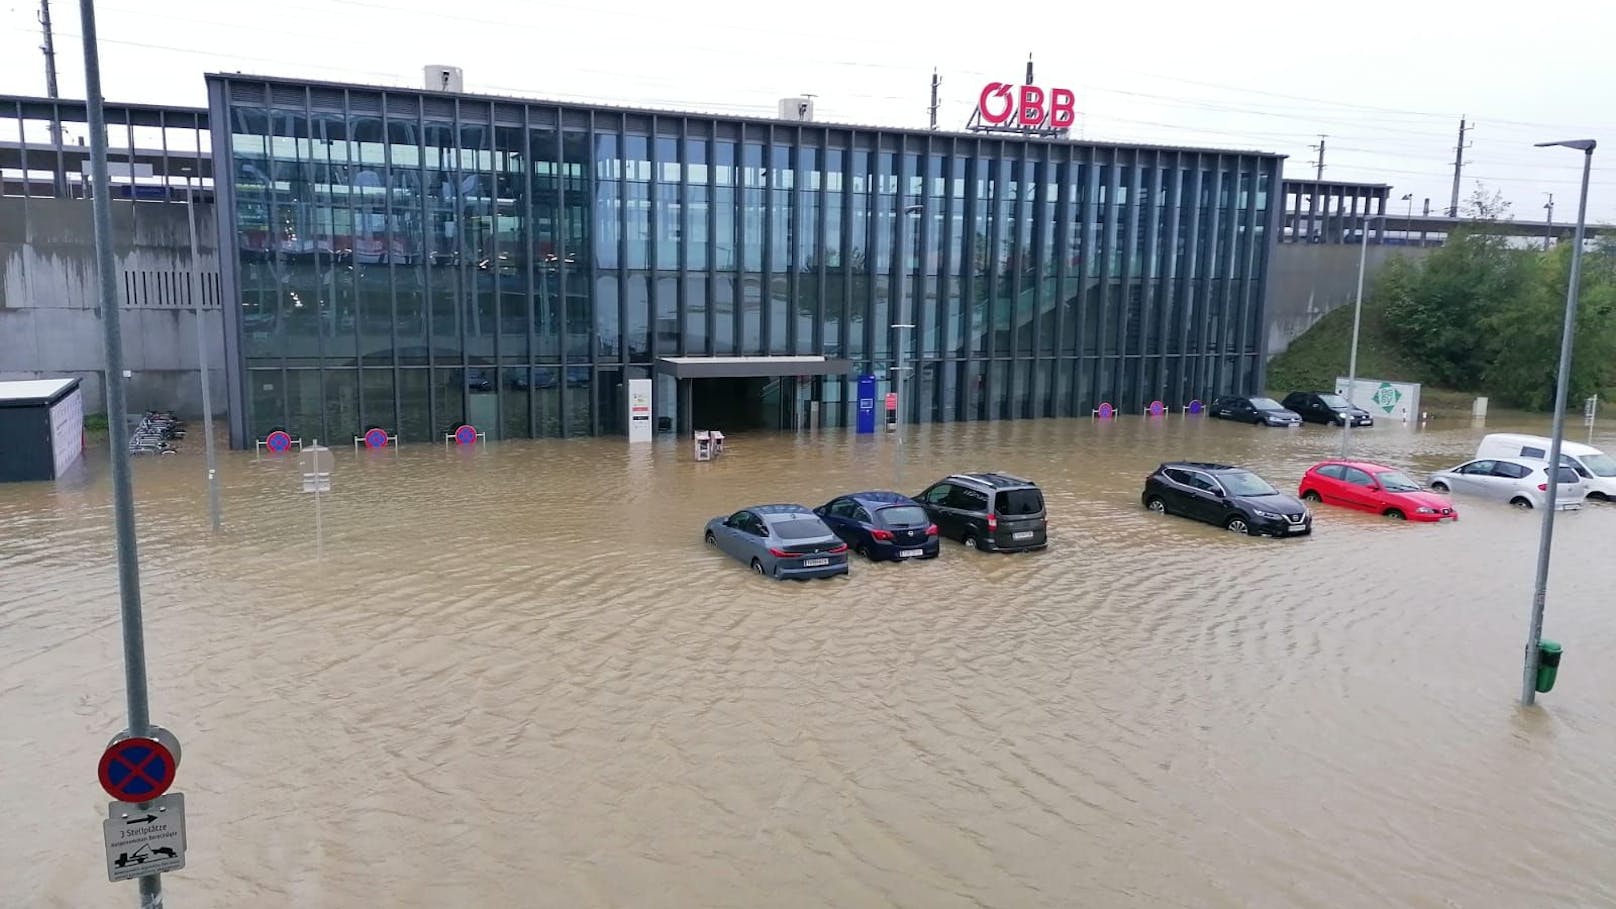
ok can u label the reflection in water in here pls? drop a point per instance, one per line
(516, 678)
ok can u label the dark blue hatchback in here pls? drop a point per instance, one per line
(881, 525)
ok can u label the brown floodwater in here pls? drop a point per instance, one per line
(517, 678)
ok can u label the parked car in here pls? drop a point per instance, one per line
(1231, 497)
(1258, 410)
(1596, 468)
(881, 525)
(781, 541)
(1324, 407)
(1522, 482)
(1374, 488)
(994, 511)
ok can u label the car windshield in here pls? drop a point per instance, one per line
(1019, 501)
(1245, 483)
(802, 528)
(1601, 464)
(1265, 404)
(1336, 401)
(1396, 481)
(902, 515)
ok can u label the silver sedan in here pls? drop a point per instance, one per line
(1521, 482)
(781, 541)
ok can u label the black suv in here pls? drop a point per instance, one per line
(1230, 497)
(988, 511)
(1324, 407)
(1261, 411)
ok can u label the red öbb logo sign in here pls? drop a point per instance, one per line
(1026, 106)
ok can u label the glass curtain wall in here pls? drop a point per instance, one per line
(414, 261)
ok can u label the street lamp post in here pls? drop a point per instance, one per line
(1357, 320)
(1534, 633)
(202, 350)
(1408, 218)
(899, 327)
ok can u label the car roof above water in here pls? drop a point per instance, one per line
(781, 511)
(1207, 466)
(995, 479)
(1567, 446)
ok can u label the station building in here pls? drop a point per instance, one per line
(416, 259)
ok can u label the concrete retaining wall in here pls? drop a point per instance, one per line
(50, 320)
(1310, 280)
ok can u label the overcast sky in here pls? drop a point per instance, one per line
(1387, 82)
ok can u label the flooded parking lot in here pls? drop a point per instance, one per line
(517, 678)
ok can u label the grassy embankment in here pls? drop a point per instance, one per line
(1314, 360)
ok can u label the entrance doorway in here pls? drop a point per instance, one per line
(735, 404)
(733, 394)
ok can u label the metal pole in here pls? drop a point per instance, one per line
(1545, 544)
(123, 499)
(1352, 358)
(202, 356)
(903, 324)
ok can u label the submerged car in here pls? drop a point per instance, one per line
(992, 511)
(1522, 482)
(1373, 488)
(781, 541)
(1257, 410)
(881, 525)
(1230, 497)
(1327, 408)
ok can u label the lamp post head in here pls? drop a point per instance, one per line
(913, 209)
(1582, 145)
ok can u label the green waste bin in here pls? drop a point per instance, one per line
(1548, 664)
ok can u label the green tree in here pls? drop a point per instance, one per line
(1525, 336)
(1437, 305)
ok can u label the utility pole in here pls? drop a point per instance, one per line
(936, 81)
(1548, 230)
(49, 49)
(1458, 170)
(136, 702)
(1319, 176)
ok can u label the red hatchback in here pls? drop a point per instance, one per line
(1373, 487)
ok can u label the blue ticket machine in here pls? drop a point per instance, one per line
(866, 404)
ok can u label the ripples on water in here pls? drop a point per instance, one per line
(518, 679)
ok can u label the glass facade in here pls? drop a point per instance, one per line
(414, 260)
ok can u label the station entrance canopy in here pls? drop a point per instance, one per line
(751, 367)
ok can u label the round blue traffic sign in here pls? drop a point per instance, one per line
(278, 441)
(137, 769)
(466, 434)
(376, 438)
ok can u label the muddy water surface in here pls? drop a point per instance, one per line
(517, 678)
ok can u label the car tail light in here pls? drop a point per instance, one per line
(782, 554)
(931, 531)
(884, 536)
(993, 523)
(838, 548)
(1542, 487)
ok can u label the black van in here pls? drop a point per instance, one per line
(992, 511)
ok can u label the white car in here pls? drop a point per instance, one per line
(1597, 469)
(1522, 482)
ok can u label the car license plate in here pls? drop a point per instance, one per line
(1296, 528)
(1022, 535)
(908, 553)
(815, 563)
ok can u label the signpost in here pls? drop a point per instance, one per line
(315, 462)
(866, 405)
(639, 410)
(148, 838)
(136, 769)
(1590, 412)
(464, 434)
